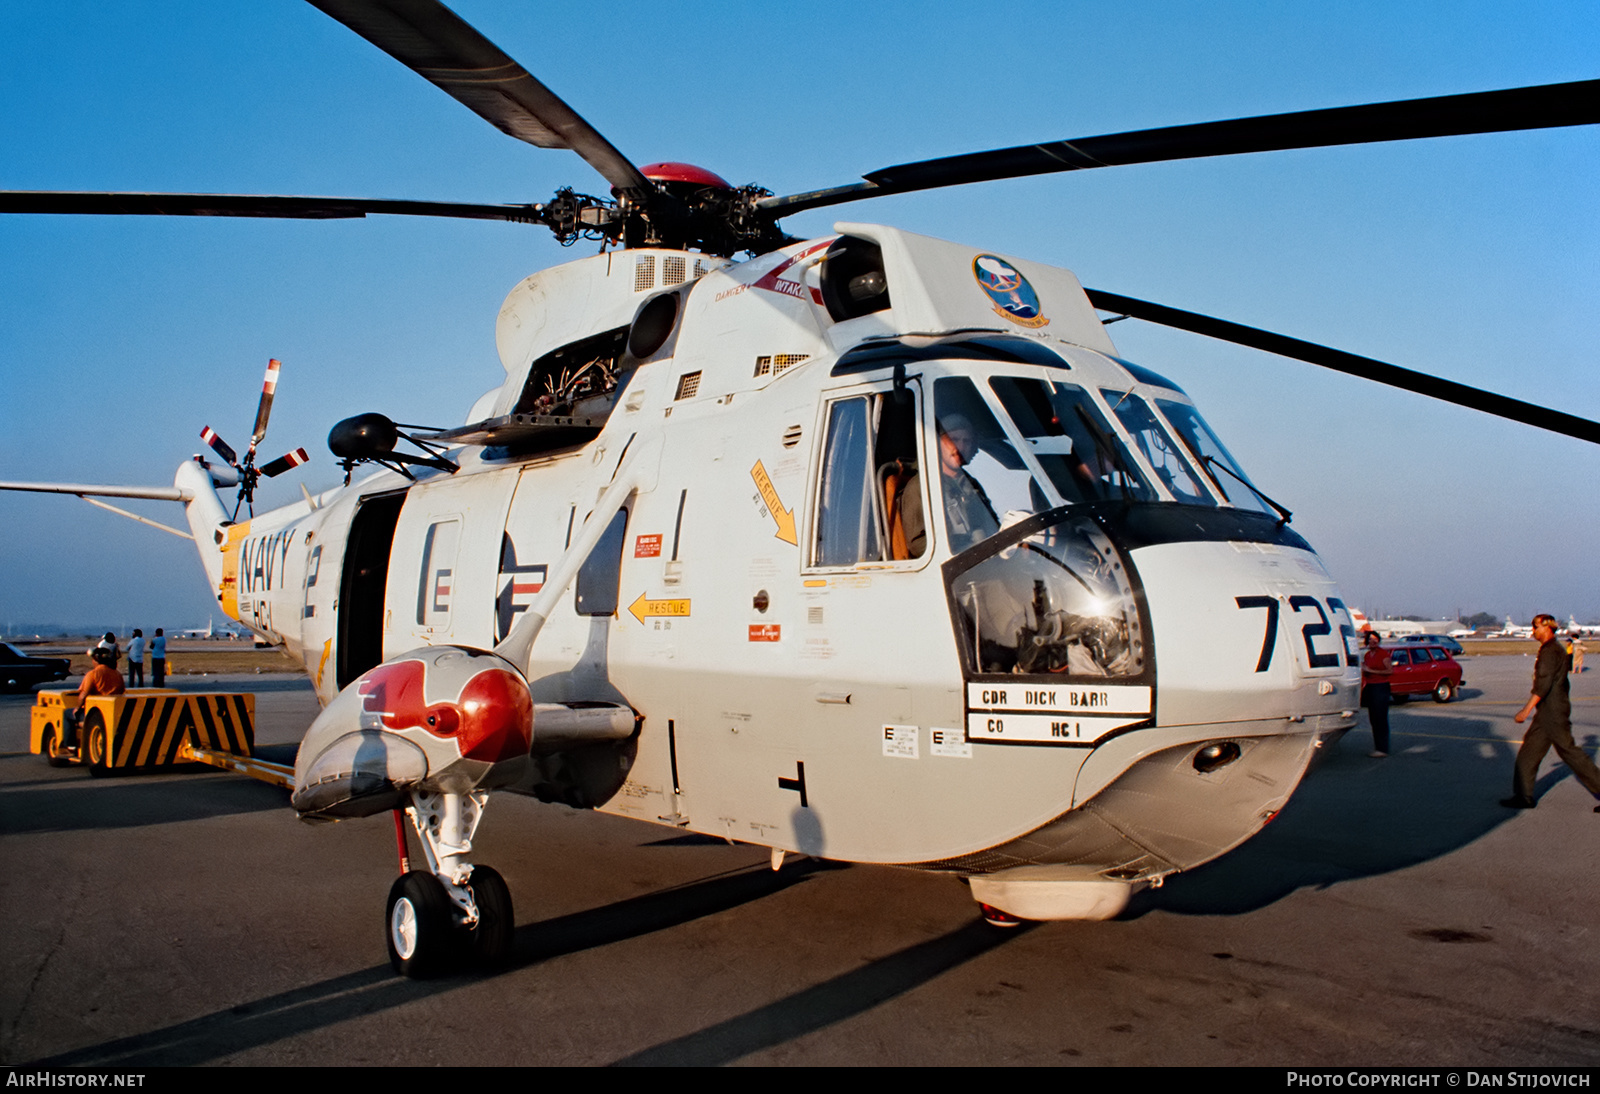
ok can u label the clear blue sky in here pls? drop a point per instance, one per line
(1477, 257)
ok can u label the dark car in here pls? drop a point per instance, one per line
(20, 672)
(1422, 670)
(1436, 640)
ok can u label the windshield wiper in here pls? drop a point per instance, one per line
(1208, 461)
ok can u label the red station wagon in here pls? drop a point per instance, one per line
(1422, 669)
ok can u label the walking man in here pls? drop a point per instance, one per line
(1551, 708)
(1377, 672)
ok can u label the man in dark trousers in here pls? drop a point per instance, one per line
(1551, 708)
(1377, 672)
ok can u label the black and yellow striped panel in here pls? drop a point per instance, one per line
(150, 728)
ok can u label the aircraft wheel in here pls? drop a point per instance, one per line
(51, 747)
(96, 750)
(1445, 692)
(491, 940)
(418, 925)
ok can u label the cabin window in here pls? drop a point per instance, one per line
(600, 576)
(870, 504)
(436, 582)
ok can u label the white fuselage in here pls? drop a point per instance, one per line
(801, 701)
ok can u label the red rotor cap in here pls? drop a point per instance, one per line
(683, 172)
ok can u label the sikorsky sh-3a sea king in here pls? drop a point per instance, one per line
(867, 547)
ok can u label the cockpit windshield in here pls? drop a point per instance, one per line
(1024, 446)
(1072, 441)
(1009, 447)
(1219, 465)
(1158, 448)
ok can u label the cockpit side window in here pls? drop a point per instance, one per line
(870, 488)
(1157, 447)
(1073, 442)
(847, 522)
(982, 477)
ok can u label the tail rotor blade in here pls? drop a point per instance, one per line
(284, 463)
(219, 446)
(269, 385)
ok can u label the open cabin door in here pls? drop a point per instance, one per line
(363, 584)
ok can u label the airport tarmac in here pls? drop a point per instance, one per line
(1394, 914)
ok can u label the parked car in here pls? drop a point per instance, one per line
(1423, 669)
(1443, 640)
(20, 672)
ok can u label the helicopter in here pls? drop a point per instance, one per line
(808, 550)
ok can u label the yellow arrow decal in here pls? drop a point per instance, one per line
(769, 498)
(643, 609)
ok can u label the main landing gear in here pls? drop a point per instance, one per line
(453, 914)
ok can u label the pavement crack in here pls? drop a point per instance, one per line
(14, 1022)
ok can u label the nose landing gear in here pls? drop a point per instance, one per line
(453, 914)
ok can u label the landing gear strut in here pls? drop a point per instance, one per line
(453, 913)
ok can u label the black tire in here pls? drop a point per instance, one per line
(490, 942)
(418, 926)
(50, 746)
(1444, 692)
(95, 744)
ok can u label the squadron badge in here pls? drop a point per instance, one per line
(1010, 292)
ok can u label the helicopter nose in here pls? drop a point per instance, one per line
(441, 712)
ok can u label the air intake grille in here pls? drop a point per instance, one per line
(775, 363)
(644, 274)
(673, 270)
(791, 436)
(688, 384)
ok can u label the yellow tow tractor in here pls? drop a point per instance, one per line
(153, 728)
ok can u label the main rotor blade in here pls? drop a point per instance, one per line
(449, 53)
(1421, 383)
(248, 205)
(1542, 107)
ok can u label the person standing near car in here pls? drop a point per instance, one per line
(1550, 705)
(1377, 667)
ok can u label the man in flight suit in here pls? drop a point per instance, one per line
(968, 515)
(1551, 708)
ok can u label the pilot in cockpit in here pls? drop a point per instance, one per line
(968, 515)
